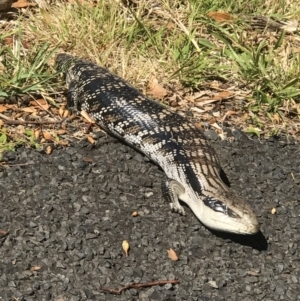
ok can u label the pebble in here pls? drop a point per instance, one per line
(70, 217)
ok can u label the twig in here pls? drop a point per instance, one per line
(4, 117)
(8, 120)
(138, 285)
(31, 122)
(48, 111)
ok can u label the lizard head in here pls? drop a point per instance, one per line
(229, 213)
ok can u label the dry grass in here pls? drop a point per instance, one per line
(173, 41)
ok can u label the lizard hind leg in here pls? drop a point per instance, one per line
(172, 190)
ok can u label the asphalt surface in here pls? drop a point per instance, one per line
(67, 214)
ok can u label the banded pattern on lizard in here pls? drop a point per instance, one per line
(168, 139)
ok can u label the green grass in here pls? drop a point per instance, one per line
(176, 42)
(25, 72)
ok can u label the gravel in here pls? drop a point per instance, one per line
(67, 214)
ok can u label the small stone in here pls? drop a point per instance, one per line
(213, 284)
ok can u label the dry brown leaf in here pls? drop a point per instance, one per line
(125, 247)
(222, 95)
(91, 140)
(1, 122)
(48, 150)
(228, 113)
(8, 41)
(61, 111)
(29, 109)
(54, 111)
(88, 160)
(172, 254)
(220, 16)
(37, 134)
(216, 126)
(35, 268)
(22, 3)
(60, 132)
(3, 108)
(11, 106)
(66, 113)
(47, 136)
(134, 214)
(38, 102)
(276, 118)
(63, 142)
(245, 117)
(212, 120)
(84, 114)
(156, 90)
(198, 125)
(41, 103)
(3, 233)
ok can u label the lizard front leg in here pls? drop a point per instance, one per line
(171, 190)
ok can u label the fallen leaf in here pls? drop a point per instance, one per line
(3, 233)
(35, 268)
(3, 108)
(156, 90)
(222, 95)
(220, 16)
(88, 160)
(48, 150)
(61, 111)
(172, 254)
(8, 41)
(245, 117)
(276, 118)
(66, 113)
(63, 142)
(91, 140)
(60, 132)
(47, 136)
(134, 214)
(216, 126)
(84, 114)
(29, 109)
(198, 125)
(228, 113)
(41, 103)
(125, 247)
(212, 120)
(22, 3)
(37, 134)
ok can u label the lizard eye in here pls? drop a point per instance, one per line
(219, 206)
